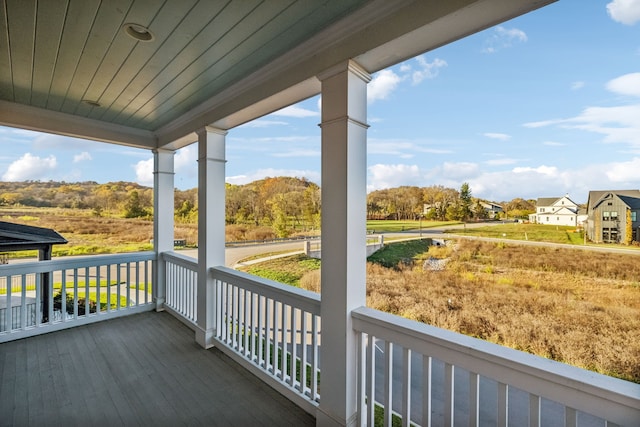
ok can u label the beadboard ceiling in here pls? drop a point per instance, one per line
(70, 66)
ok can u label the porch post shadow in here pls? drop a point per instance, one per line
(343, 275)
(211, 235)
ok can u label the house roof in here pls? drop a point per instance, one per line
(149, 74)
(547, 201)
(596, 196)
(15, 237)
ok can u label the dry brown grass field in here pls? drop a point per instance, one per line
(574, 306)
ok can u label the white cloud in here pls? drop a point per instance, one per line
(144, 172)
(390, 176)
(628, 84)
(618, 124)
(501, 162)
(295, 111)
(553, 144)
(312, 176)
(382, 85)
(577, 85)
(84, 156)
(428, 70)
(502, 38)
(499, 136)
(401, 148)
(29, 167)
(624, 11)
(626, 172)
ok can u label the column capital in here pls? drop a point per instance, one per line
(348, 65)
(210, 129)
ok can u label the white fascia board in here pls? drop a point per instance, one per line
(42, 120)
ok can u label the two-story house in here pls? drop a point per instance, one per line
(555, 211)
(607, 216)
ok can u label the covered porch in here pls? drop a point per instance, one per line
(164, 76)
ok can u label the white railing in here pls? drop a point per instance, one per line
(40, 297)
(436, 377)
(273, 330)
(181, 278)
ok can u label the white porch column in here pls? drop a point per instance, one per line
(343, 276)
(163, 208)
(211, 237)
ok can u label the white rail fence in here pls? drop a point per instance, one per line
(40, 297)
(181, 278)
(432, 376)
(273, 330)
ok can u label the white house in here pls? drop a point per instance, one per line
(556, 211)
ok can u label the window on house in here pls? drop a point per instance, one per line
(605, 215)
(547, 219)
(557, 218)
(605, 235)
(541, 209)
(614, 216)
(609, 203)
(633, 216)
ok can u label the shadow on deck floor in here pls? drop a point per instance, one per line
(143, 369)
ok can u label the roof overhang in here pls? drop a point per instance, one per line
(376, 35)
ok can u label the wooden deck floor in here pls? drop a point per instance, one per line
(144, 369)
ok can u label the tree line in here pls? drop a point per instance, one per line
(283, 203)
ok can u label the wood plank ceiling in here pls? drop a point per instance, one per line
(75, 57)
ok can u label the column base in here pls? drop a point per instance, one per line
(159, 304)
(326, 420)
(205, 337)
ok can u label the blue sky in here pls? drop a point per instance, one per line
(544, 105)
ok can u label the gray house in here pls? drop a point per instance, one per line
(607, 215)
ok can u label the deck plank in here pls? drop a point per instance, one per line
(143, 369)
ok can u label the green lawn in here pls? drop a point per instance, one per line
(390, 226)
(534, 232)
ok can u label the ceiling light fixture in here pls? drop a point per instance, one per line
(138, 32)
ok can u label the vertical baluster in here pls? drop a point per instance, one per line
(449, 403)
(371, 379)
(146, 282)
(474, 399)
(109, 288)
(304, 354)
(75, 293)
(8, 314)
(406, 387)
(534, 411)
(267, 342)
(388, 383)
(63, 294)
(246, 330)
(426, 390)
(50, 296)
(235, 317)
(361, 376)
(260, 336)
(294, 346)
(314, 364)
(87, 300)
(23, 302)
(503, 405)
(128, 270)
(277, 306)
(137, 289)
(98, 290)
(119, 281)
(39, 313)
(283, 342)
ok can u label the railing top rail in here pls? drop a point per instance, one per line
(607, 397)
(74, 262)
(180, 259)
(295, 297)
